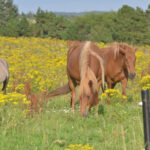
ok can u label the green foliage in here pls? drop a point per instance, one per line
(11, 28)
(24, 28)
(48, 25)
(8, 16)
(44, 22)
(126, 25)
(119, 127)
(100, 33)
(131, 26)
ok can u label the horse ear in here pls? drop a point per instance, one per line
(122, 51)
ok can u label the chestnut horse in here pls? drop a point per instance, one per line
(119, 64)
(84, 68)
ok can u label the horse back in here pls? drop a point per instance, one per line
(73, 59)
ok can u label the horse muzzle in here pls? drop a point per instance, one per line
(132, 76)
(85, 114)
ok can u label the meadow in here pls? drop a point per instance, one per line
(29, 121)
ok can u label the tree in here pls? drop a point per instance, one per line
(103, 27)
(71, 32)
(23, 26)
(100, 34)
(45, 22)
(148, 18)
(11, 28)
(130, 26)
(8, 13)
(61, 26)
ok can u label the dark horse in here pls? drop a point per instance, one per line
(4, 74)
(84, 68)
(119, 64)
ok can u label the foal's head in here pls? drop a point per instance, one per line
(88, 98)
(129, 58)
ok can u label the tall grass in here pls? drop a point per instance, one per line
(51, 125)
(119, 126)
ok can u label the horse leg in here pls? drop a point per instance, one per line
(124, 85)
(96, 105)
(72, 86)
(5, 85)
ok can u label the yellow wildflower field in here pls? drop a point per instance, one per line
(42, 62)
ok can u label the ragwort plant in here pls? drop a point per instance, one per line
(145, 82)
(112, 96)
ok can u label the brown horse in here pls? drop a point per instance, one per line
(119, 64)
(84, 68)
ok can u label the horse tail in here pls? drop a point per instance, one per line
(86, 73)
(101, 61)
(60, 91)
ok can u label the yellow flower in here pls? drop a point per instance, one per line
(124, 97)
(15, 103)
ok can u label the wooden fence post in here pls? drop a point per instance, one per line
(146, 117)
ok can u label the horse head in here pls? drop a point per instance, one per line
(88, 98)
(129, 59)
(88, 81)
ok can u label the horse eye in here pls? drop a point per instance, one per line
(88, 97)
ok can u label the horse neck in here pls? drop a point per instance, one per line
(114, 59)
(86, 73)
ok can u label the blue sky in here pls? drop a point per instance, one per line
(78, 5)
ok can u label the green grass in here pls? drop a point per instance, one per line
(119, 126)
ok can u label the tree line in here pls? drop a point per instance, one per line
(125, 25)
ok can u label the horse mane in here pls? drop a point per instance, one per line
(116, 47)
(86, 74)
(84, 58)
(125, 46)
(101, 61)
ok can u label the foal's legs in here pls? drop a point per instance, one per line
(72, 86)
(124, 85)
(5, 85)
